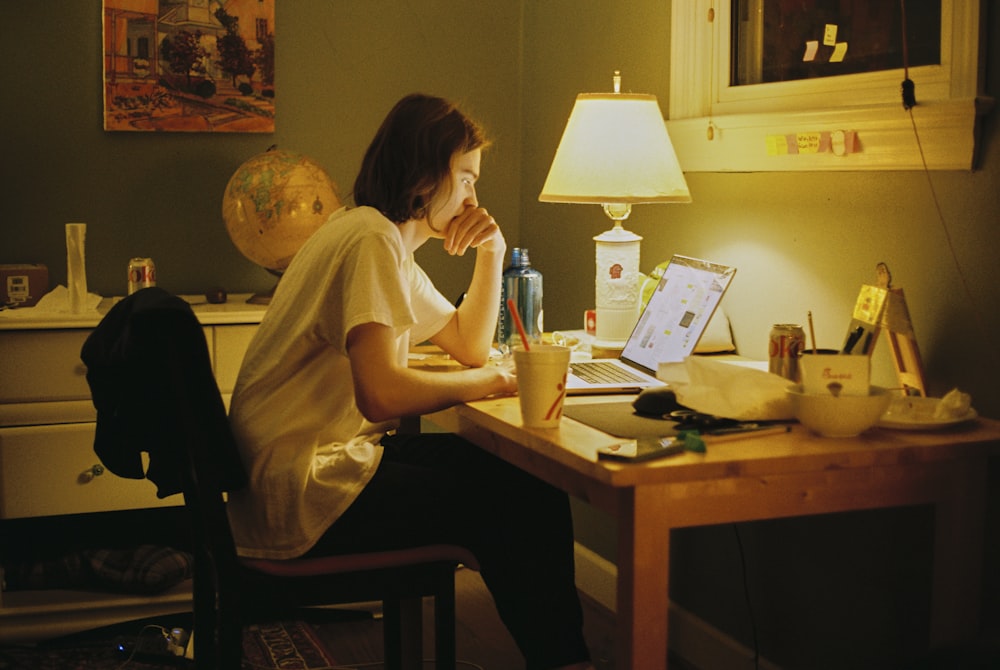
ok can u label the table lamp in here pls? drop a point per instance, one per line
(616, 152)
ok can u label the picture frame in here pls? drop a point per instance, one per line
(189, 66)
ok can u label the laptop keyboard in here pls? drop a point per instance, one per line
(604, 372)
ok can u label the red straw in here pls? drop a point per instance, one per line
(517, 322)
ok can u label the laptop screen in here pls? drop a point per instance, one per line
(677, 313)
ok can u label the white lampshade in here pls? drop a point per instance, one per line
(616, 152)
(615, 149)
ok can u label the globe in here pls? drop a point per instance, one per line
(273, 203)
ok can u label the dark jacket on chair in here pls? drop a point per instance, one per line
(146, 357)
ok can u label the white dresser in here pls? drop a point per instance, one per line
(48, 469)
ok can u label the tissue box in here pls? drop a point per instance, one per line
(23, 284)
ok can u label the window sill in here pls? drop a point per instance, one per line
(948, 136)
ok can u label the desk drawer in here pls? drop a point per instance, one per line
(42, 366)
(44, 471)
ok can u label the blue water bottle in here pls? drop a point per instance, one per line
(523, 284)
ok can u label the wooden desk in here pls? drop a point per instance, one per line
(767, 477)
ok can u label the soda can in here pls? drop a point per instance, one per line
(785, 346)
(141, 274)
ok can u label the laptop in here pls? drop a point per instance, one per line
(668, 330)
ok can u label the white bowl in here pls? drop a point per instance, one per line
(838, 416)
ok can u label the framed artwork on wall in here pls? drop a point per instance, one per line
(189, 66)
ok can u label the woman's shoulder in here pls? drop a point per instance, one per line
(356, 230)
(360, 215)
(349, 223)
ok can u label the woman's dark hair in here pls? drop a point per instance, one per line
(409, 160)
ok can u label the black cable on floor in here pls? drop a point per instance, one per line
(746, 597)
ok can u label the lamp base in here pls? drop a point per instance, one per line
(617, 284)
(615, 324)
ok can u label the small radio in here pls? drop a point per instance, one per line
(23, 284)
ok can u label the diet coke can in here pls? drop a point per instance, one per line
(141, 274)
(786, 345)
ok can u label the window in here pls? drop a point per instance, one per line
(743, 100)
(775, 42)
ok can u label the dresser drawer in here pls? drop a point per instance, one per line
(42, 366)
(230, 345)
(48, 470)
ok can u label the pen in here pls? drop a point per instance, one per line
(853, 339)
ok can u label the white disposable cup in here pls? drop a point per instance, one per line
(541, 383)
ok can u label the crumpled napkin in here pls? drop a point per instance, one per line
(729, 390)
(55, 303)
(954, 404)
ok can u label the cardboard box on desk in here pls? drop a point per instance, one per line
(23, 284)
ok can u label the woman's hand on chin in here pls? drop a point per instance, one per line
(474, 228)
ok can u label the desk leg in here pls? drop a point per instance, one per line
(959, 528)
(643, 575)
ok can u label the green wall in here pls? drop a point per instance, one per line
(341, 65)
(826, 591)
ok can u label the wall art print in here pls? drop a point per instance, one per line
(189, 66)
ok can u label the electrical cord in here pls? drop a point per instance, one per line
(138, 638)
(909, 102)
(746, 597)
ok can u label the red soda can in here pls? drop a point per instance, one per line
(141, 274)
(785, 346)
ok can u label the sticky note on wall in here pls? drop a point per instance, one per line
(830, 34)
(837, 142)
(812, 46)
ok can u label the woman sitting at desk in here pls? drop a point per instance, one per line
(325, 381)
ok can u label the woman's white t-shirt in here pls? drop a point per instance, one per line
(308, 450)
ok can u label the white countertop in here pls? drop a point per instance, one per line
(235, 310)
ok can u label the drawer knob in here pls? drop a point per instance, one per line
(95, 470)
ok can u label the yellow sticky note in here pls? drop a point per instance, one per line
(839, 52)
(830, 34)
(776, 145)
(808, 142)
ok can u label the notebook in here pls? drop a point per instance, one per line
(668, 330)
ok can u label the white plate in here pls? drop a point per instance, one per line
(918, 414)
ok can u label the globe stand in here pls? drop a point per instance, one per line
(261, 298)
(265, 298)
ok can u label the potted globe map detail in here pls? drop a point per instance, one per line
(273, 203)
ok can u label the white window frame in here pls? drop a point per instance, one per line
(716, 127)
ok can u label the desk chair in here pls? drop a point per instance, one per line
(151, 380)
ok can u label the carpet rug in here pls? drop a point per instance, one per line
(290, 645)
(286, 645)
